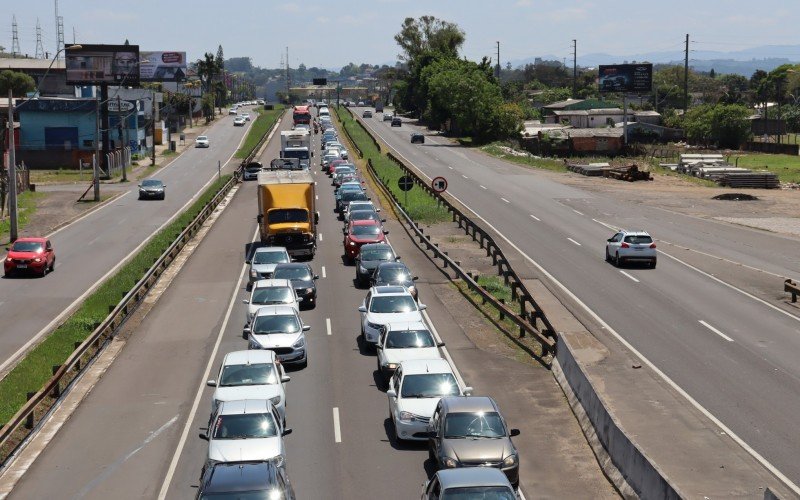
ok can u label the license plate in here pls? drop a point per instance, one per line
(638, 249)
(22, 266)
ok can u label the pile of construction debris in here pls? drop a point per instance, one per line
(628, 173)
(714, 168)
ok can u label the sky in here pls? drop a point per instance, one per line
(332, 34)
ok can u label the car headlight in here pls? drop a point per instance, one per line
(275, 401)
(300, 343)
(308, 290)
(450, 463)
(407, 416)
(391, 366)
(37, 259)
(510, 460)
(253, 274)
(352, 243)
(9, 259)
(362, 269)
(374, 326)
(253, 343)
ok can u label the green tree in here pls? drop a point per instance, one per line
(725, 125)
(19, 83)
(428, 34)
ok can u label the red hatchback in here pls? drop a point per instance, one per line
(361, 232)
(34, 255)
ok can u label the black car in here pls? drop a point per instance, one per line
(397, 122)
(303, 281)
(369, 257)
(245, 480)
(416, 137)
(346, 197)
(152, 188)
(395, 273)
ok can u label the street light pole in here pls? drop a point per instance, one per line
(12, 172)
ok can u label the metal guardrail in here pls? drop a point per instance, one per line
(24, 422)
(791, 287)
(526, 323)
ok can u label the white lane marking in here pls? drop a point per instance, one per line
(483, 187)
(464, 176)
(505, 200)
(723, 259)
(328, 326)
(162, 494)
(716, 331)
(629, 276)
(451, 168)
(323, 272)
(606, 225)
(316, 196)
(579, 213)
(337, 431)
(535, 218)
(570, 239)
(320, 236)
(724, 428)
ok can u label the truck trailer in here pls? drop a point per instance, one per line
(287, 213)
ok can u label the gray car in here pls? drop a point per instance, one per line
(478, 482)
(263, 263)
(262, 479)
(469, 431)
(368, 259)
(152, 188)
(395, 273)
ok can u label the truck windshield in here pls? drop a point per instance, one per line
(296, 153)
(288, 215)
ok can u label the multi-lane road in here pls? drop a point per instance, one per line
(713, 326)
(136, 435)
(90, 248)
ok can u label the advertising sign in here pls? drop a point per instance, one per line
(114, 107)
(163, 66)
(97, 64)
(626, 78)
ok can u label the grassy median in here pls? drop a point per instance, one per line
(26, 207)
(36, 368)
(264, 121)
(421, 206)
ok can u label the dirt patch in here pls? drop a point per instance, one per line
(53, 210)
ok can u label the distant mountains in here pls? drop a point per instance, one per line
(743, 62)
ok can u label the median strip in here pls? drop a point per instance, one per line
(266, 119)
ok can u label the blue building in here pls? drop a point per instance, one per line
(57, 132)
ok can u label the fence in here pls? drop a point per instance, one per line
(23, 423)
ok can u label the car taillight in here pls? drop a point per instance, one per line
(625, 245)
(652, 245)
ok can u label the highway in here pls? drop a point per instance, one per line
(138, 428)
(92, 247)
(713, 327)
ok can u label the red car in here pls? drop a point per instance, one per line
(361, 232)
(335, 163)
(30, 254)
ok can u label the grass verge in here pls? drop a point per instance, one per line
(26, 207)
(421, 207)
(35, 369)
(787, 167)
(503, 151)
(265, 120)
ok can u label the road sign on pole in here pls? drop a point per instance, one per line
(405, 183)
(439, 184)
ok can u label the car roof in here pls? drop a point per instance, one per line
(31, 239)
(370, 246)
(241, 476)
(472, 476)
(392, 265)
(276, 310)
(420, 366)
(270, 249)
(469, 404)
(244, 406)
(273, 282)
(389, 290)
(249, 357)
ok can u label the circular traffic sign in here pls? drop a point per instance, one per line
(439, 184)
(405, 183)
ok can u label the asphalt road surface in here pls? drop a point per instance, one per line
(715, 328)
(89, 248)
(137, 433)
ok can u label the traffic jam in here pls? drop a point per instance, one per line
(468, 440)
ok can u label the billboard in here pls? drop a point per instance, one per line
(162, 66)
(626, 78)
(98, 64)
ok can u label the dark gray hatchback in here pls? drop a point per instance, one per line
(245, 480)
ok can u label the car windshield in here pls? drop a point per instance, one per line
(354, 195)
(271, 295)
(638, 239)
(479, 493)
(429, 385)
(474, 425)
(287, 215)
(343, 170)
(376, 254)
(409, 339)
(270, 258)
(27, 246)
(293, 273)
(276, 323)
(393, 304)
(393, 274)
(363, 215)
(257, 374)
(151, 183)
(202, 138)
(253, 425)
(365, 230)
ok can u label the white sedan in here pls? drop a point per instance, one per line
(250, 375)
(246, 430)
(384, 305)
(279, 329)
(271, 292)
(202, 142)
(415, 390)
(404, 341)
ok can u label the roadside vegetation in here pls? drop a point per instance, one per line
(421, 207)
(35, 368)
(787, 167)
(26, 207)
(261, 125)
(504, 151)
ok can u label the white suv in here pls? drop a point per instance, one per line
(384, 305)
(627, 246)
(279, 329)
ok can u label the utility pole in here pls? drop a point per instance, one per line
(122, 129)
(686, 77)
(288, 84)
(154, 116)
(96, 162)
(12, 172)
(574, 69)
(497, 66)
